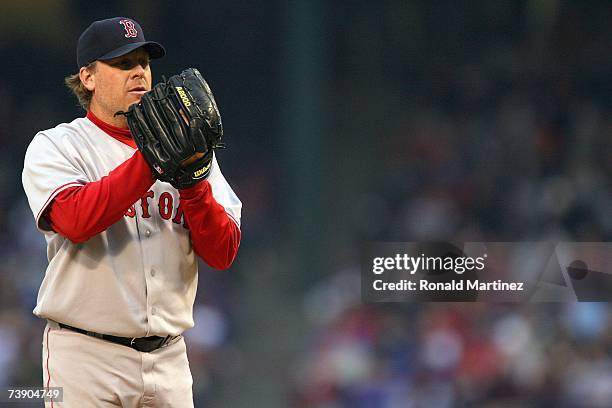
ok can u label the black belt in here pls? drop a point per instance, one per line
(144, 344)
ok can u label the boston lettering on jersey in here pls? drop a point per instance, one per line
(165, 207)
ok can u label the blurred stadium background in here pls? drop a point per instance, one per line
(349, 121)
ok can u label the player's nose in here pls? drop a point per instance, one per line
(138, 71)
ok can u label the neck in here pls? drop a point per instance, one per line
(121, 134)
(119, 121)
(111, 129)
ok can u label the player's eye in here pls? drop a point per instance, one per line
(123, 64)
(129, 63)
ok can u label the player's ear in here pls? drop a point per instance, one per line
(87, 76)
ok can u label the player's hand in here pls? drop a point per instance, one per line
(192, 159)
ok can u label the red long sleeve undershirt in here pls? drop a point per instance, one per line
(80, 212)
(218, 236)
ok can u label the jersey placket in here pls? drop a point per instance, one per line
(148, 234)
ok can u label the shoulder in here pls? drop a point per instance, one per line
(77, 129)
(64, 134)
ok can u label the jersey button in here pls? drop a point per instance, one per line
(152, 271)
(148, 233)
(153, 310)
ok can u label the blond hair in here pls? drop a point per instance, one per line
(84, 95)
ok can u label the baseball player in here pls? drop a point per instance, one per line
(121, 244)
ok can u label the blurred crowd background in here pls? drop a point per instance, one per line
(346, 122)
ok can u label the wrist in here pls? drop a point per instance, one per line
(195, 190)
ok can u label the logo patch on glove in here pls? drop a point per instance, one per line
(201, 172)
(158, 169)
(183, 96)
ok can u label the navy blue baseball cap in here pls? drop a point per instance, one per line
(111, 38)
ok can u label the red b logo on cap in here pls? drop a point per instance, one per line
(129, 28)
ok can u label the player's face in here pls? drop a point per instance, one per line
(118, 83)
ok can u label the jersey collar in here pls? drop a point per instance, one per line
(121, 134)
